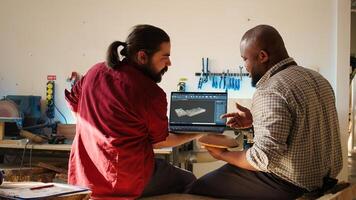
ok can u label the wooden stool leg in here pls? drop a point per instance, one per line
(2, 130)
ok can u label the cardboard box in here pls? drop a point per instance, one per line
(66, 130)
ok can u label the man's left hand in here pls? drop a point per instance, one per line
(217, 153)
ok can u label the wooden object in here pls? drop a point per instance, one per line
(20, 174)
(66, 130)
(16, 170)
(21, 145)
(11, 142)
(32, 137)
(340, 191)
(60, 147)
(346, 193)
(52, 167)
(77, 196)
(2, 130)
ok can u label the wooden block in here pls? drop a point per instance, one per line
(341, 191)
(52, 167)
(16, 170)
(32, 137)
(17, 174)
(42, 177)
(14, 142)
(2, 130)
(347, 193)
(76, 196)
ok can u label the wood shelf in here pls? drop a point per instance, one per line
(18, 144)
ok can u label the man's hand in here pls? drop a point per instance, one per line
(240, 119)
(216, 152)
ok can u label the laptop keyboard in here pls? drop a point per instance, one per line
(196, 129)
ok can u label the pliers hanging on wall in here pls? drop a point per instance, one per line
(205, 73)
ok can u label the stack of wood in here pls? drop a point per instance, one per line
(61, 172)
(42, 172)
(21, 174)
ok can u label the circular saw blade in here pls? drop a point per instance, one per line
(9, 109)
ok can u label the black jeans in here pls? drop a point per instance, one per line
(230, 182)
(167, 178)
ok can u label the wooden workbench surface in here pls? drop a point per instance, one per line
(19, 144)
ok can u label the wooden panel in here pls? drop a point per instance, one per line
(2, 129)
(66, 130)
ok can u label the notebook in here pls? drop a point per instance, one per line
(197, 112)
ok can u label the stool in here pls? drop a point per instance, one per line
(341, 191)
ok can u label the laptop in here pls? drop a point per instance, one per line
(197, 112)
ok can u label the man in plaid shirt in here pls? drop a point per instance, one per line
(296, 146)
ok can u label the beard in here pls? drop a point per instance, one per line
(257, 71)
(148, 71)
(158, 77)
(254, 79)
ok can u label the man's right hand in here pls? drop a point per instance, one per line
(239, 120)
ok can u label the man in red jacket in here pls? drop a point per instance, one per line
(121, 118)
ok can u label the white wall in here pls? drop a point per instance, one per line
(341, 69)
(41, 37)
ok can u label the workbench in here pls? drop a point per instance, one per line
(19, 144)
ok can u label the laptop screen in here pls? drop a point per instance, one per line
(197, 108)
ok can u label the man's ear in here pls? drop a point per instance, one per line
(263, 56)
(142, 57)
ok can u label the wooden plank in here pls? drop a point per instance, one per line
(32, 137)
(52, 167)
(16, 170)
(12, 142)
(62, 147)
(54, 147)
(42, 177)
(2, 130)
(20, 174)
(76, 196)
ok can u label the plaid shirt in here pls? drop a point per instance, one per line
(296, 127)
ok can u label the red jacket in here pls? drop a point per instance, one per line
(120, 114)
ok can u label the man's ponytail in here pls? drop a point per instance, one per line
(112, 57)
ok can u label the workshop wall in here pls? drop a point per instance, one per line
(41, 37)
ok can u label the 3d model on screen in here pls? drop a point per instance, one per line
(191, 112)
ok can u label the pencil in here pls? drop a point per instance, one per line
(41, 187)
